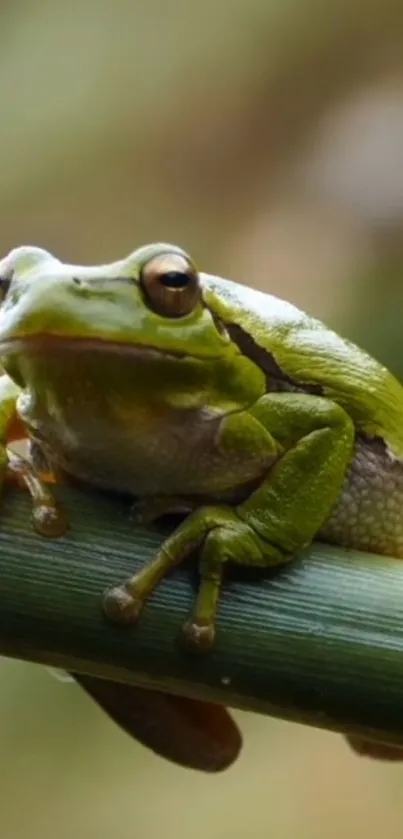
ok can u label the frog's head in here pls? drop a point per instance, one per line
(149, 322)
(151, 300)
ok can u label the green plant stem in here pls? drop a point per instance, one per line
(320, 642)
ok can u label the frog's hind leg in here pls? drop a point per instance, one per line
(310, 442)
(223, 538)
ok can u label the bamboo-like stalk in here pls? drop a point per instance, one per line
(319, 642)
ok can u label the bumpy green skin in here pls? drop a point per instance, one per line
(270, 428)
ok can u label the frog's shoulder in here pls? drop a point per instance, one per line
(310, 353)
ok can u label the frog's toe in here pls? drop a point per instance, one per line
(198, 636)
(49, 520)
(120, 606)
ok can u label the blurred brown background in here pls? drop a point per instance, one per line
(267, 139)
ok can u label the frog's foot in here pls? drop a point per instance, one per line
(48, 518)
(122, 605)
(197, 636)
(198, 632)
(146, 511)
(222, 537)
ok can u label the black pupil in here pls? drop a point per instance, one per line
(175, 279)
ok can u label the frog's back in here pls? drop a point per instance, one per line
(311, 355)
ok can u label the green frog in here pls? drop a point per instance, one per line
(195, 395)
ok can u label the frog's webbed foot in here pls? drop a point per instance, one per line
(222, 536)
(48, 518)
(146, 511)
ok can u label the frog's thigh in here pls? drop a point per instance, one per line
(291, 503)
(304, 484)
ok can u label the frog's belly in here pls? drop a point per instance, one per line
(369, 513)
(181, 456)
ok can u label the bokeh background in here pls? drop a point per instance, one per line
(266, 137)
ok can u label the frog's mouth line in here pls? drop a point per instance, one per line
(58, 343)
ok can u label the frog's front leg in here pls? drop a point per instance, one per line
(48, 519)
(311, 440)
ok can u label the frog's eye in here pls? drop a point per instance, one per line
(171, 285)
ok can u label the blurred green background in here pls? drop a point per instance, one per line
(266, 137)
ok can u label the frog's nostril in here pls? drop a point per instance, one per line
(77, 280)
